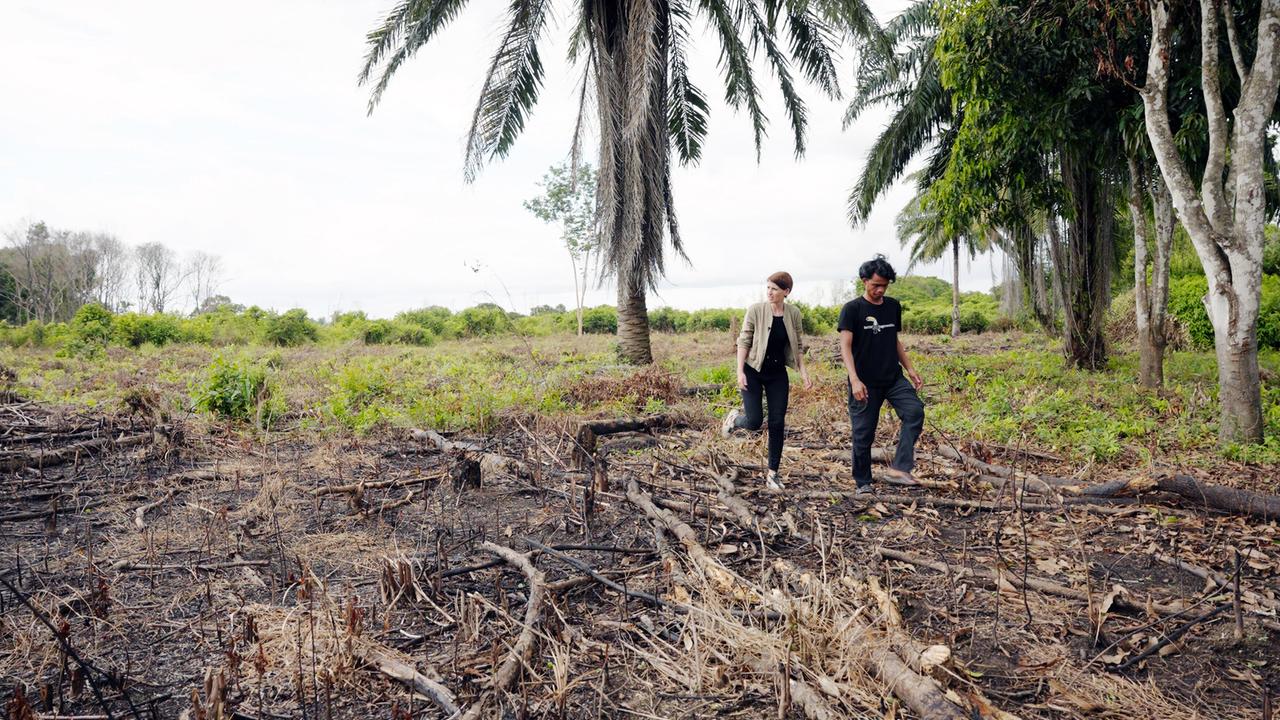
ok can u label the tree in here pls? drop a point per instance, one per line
(921, 228)
(569, 198)
(1225, 215)
(1151, 296)
(157, 276)
(205, 274)
(635, 73)
(1043, 139)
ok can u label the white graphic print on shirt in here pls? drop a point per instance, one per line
(874, 325)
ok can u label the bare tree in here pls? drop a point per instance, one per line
(204, 272)
(158, 276)
(1226, 214)
(114, 260)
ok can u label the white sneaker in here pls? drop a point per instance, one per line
(730, 418)
(772, 480)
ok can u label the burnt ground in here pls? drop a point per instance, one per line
(266, 577)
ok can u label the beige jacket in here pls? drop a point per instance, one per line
(755, 333)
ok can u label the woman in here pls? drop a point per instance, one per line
(768, 344)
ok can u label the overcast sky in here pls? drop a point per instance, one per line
(237, 128)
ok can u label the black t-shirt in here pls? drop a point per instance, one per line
(875, 339)
(775, 352)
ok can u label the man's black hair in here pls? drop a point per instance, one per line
(877, 266)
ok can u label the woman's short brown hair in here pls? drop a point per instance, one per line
(781, 279)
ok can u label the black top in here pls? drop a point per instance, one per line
(775, 353)
(875, 339)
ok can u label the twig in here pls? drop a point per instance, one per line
(1171, 637)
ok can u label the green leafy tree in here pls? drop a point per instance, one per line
(921, 229)
(634, 60)
(569, 198)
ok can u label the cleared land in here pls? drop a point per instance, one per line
(1059, 558)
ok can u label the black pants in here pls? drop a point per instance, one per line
(864, 416)
(776, 388)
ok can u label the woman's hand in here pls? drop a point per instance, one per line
(742, 379)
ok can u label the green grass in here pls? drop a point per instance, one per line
(1006, 388)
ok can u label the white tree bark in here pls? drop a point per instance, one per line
(1225, 215)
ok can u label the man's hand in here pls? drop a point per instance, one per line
(916, 380)
(859, 390)
(804, 375)
(742, 380)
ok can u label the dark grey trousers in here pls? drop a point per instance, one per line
(864, 416)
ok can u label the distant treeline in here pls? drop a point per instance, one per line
(926, 310)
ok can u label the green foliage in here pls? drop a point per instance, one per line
(358, 396)
(818, 319)
(712, 319)
(134, 329)
(602, 319)
(90, 331)
(291, 329)
(479, 321)
(239, 390)
(669, 320)
(433, 318)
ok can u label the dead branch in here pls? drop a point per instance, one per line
(386, 661)
(48, 458)
(1013, 580)
(490, 462)
(519, 653)
(1171, 637)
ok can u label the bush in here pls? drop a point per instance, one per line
(134, 330)
(926, 322)
(600, 320)
(239, 390)
(819, 319)
(666, 319)
(713, 319)
(1186, 304)
(90, 330)
(291, 329)
(479, 321)
(431, 318)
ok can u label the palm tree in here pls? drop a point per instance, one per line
(920, 227)
(635, 72)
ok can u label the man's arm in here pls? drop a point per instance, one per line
(905, 361)
(846, 354)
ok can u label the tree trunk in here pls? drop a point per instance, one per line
(955, 287)
(633, 327)
(1226, 213)
(1083, 262)
(1149, 302)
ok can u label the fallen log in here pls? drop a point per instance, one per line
(519, 653)
(490, 462)
(1031, 583)
(59, 456)
(588, 432)
(1263, 506)
(387, 662)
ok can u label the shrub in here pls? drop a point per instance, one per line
(666, 319)
(819, 319)
(600, 320)
(90, 330)
(479, 321)
(239, 390)
(1186, 304)
(291, 329)
(432, 318)
(134, 330)
(713, 319)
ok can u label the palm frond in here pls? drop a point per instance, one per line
(408, 27)
(642, 60)
(913, 127)
(761, 35)
(510, 87)
(812, 45)
(687, 108)
(855, 18)
(735, 61)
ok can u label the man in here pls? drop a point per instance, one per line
(874, 359)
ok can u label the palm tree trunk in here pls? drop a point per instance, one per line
(955, 287)
(633, 327)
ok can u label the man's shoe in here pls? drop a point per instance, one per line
(900, 477)
(864, 490)
(730, 418)
(772, 481)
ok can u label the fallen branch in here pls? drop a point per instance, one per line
(490, 462)
(386, 661)
(190, 476)
(44, 459)
(594, 575)
(1030, 583)
(519, 653)
(1218, 497)
(1171, 637)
